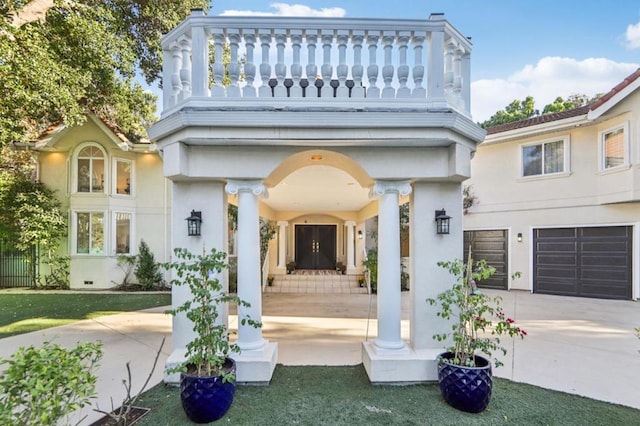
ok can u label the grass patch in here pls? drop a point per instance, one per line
(344, 396)
(24, 312)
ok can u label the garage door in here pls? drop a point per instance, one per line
(587, 262)
(490, 245)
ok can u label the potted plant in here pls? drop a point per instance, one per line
(291, 266)
(341, 267)
(207, 376)
(464, 370)
(270, 279)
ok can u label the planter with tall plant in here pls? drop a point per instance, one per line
(464, 370)
(207, 379)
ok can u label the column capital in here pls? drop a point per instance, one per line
(350, 223)
(283, 223)
(381, 187)
(256, 187)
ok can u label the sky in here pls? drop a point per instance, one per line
(543, 48)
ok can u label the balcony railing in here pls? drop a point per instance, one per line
(326, 61)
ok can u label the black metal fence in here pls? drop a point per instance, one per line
(17, 268)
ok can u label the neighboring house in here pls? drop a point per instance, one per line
(558, 199)
(115, 195)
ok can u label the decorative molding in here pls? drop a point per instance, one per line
(283, 223)
(256, 187)
(381, 187)
(350, 223)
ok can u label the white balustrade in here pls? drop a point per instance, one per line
(403, 54)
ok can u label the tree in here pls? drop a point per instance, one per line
(60, 59)
(516, 110)
(147, 269)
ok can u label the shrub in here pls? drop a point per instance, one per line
(147, 270)
(43, 385)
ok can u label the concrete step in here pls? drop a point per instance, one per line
(316, 283)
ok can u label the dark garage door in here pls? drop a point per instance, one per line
(587, 262)
(492, 247)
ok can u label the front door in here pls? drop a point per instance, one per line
(315, 246)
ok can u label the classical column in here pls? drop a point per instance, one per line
(389, 297)
(350, 225)
(248, 251)
(282, 244)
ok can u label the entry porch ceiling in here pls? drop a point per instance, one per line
(318, 188)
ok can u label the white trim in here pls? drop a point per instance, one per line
(74, 232)
(619, 96)
(626, 142)
(566, 153)
(75, 173)
(114, 228)
(525, 132)
(114, 173)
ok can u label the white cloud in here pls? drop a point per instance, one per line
(632, 36)
(285, 9)
(549, 78)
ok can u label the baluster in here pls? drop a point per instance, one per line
(457, 72)
(357, 69)
(168, 99)
(185, 70)
(388, 38)
(466, 81)
(176, 53)
(265, 69)
(280, 90)
(418, 68)
(448, 66)
(326, 70)
(233, 90)
(342, 69)
(372, 70)
(312, 68)
(249, 91)
(296, 69)
(217, 91)
(403, 68)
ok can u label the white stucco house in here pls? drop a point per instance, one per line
(114, 193)
(328, 123)
(559, 199)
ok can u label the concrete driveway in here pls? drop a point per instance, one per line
(581, 346)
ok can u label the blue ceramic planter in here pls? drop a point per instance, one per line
(206, 399)
(466, 388)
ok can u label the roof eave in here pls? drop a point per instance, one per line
(614, 100)
(550, 127)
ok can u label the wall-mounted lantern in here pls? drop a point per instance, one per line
(193, 223)
(442, 222)
(519, 237)
(360, 235)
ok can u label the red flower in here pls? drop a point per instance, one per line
(510, 321)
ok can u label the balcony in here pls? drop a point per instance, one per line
(290, 63)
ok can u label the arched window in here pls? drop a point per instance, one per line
(90, 169)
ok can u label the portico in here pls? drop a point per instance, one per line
(399, 140)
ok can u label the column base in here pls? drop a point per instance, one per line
(256, 366)
(404, 366)
(177, 357)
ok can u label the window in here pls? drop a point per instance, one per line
(90, 169)
(123, 169)
(545, 158)
(90, 233)
(613, 148)
(123, 232)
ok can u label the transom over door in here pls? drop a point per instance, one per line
(315, 246)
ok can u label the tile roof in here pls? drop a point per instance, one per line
(547, 118)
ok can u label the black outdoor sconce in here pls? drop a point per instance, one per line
(442, 222)
(193, 223)
(360, 236)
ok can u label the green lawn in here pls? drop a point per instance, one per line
(344, 396)
(24, 312)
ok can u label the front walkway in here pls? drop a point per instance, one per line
(581, 346)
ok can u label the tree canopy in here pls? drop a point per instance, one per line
(60, 59)
(520, 110)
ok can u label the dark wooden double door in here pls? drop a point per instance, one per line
(315, 246)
